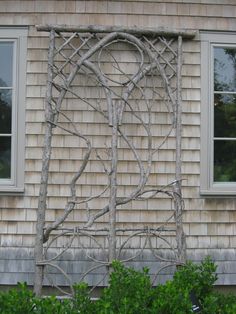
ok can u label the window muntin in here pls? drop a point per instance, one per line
(224, 140)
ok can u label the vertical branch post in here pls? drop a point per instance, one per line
(180, 236)
(113, 185)
(42, 205)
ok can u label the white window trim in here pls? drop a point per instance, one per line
(208, 41)
(19, 36)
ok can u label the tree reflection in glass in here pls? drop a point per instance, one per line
(6, 57)
(224, 161)
(224, 114)
(5, 157)
(6, 74)
(225, 69)
(5, 111)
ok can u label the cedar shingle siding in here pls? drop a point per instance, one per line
(209, 223)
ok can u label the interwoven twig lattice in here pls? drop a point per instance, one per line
(130, 84)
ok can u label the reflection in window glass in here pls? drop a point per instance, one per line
(225, 115)
(5, 111)
(6, 57)
(225, 69)
(5, 157)
(224, 161)
(6, 69)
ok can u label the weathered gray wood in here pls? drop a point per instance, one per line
(113, 185)
(42, 205)
(72, 201)
(180, 237)
(160, 31)
(113, 118)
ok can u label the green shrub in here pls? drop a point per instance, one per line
(19, 300)
(130, 292)
(216, 303)
(51, 305)
(82, 302)
(174, 296)
(170, 299)
(197, 277)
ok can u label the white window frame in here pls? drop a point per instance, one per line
(17, 35)
(208, 41)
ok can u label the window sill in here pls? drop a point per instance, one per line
(11, 190)
(219, 191)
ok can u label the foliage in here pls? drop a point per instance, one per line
(174, 296)
(17, 301)
(171, 299)
(51, 305)
(82, 302)
(130, 292)
(216, 303)
(197, 277)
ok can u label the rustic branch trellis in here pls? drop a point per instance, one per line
(85, 52)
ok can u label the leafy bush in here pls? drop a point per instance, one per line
(197, 277)
(51, 305)
(82, 302)
(174, 296)
(171, 299)
(217, 303)
(131, 292)
(17, 301)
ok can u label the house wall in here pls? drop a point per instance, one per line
(209, 223)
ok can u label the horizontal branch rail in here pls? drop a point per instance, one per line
(160, 31)
(96, 231)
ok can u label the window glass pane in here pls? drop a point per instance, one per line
(224, 115)
(5, 111)
(6, 58)
(224, 161)
(5, 157)
(224, 69)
